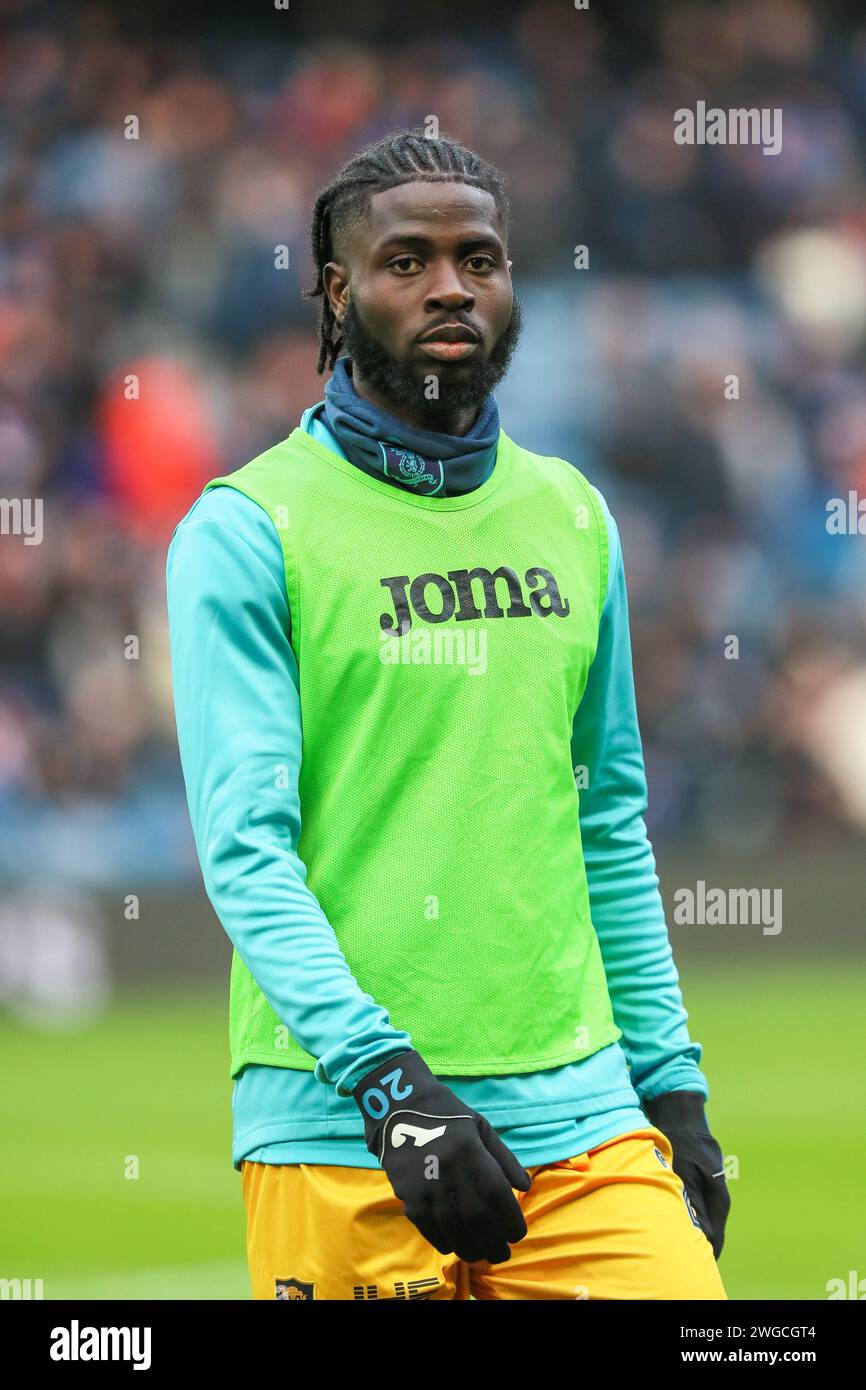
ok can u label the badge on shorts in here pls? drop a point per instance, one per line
(293, 1289)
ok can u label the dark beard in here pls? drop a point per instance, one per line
(404, 386)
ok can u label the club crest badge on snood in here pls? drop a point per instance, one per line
(411, 469)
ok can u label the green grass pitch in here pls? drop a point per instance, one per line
(148, 1081)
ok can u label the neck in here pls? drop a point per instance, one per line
(441, 420)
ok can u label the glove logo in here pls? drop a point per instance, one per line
(401, 1132)
(691, 1211)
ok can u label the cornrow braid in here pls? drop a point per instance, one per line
(404, 156)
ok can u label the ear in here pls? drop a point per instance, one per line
(510, 264)
(335, 279)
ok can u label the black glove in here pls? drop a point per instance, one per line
(697, 1159)
(444, 1161)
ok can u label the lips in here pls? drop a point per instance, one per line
(450, 333)
(448, 352)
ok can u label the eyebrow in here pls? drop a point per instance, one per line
(423, 243)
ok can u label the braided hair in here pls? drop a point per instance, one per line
(404, 156)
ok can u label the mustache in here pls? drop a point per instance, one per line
(399, 383)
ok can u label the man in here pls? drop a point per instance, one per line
(406, 719)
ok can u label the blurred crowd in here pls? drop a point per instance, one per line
(705, 370)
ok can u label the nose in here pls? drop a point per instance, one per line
(448, 291)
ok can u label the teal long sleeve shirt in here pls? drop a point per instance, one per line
(237, 708)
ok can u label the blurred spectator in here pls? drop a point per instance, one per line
(153, 334)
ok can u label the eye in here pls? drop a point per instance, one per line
(403, 264)
(480, 263)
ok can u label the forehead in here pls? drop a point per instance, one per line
(437, 209)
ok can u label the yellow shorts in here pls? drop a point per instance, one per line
(610, 1223)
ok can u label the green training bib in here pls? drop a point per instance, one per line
(443, 646)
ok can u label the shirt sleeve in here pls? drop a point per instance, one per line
(625, 902)
(238, 715)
